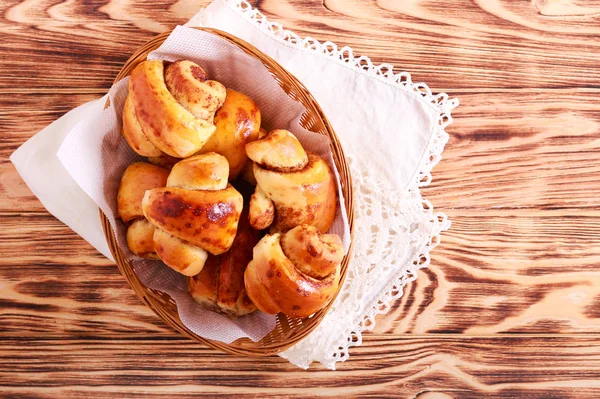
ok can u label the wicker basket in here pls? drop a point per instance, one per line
(288, 330)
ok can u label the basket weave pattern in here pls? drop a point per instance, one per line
(288, 330)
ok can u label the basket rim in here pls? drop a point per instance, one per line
(147, 295)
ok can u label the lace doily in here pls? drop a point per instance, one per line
(395, 228)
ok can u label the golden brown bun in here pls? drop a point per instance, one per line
(232, 293)
(279, 150)
(189, 85)
(204, 285)
(205, 172)
(220, 284)
(238, 123)
(132, 131)
(136, 179)
(197, 212)
(262, 210)
(300, 190)
(207, 219)
(288, 271)
(178, 254)
(166, 123)
(314, 254)
(140, 238)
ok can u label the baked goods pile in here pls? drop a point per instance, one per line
(192, 204)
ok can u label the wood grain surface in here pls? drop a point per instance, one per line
(510, 306)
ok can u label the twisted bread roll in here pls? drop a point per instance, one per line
(132, 131)
(136, 179)
(170, 110)
(140, 238)
(248, 171)
(293, 186)
(189, 85)
(220, 284)
(198, 212)
(238, 123)
(295, 273)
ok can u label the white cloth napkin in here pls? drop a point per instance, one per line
(392, 131)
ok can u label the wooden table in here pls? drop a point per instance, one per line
(510, 306)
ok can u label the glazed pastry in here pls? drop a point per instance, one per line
(132, 131)
(296, 273)
(136, 179)
(220, 284)
(170, 109)
(140, 238)
(189, 85)
(195, 214)
(293, 186)
(238, 123)
(248, 171)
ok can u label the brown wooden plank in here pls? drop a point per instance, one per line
(506, 150)
(384, 366)
(497, 271)
(506, 271)
(56, 283)
(518, 180)
(488, 45)
(521, 150)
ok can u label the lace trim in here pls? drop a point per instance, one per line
(438, 222)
